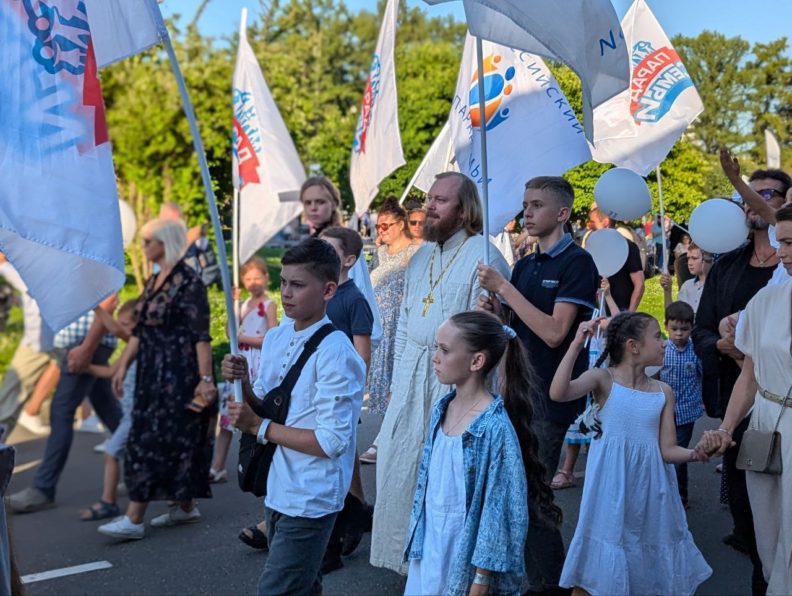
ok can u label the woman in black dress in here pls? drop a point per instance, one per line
(169, 449)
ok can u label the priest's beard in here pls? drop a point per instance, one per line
(439, 230)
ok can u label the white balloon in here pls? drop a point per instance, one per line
(718, 226)
(128, 222)
(622, 194)
(609, 250)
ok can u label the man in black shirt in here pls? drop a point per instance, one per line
(627, 284)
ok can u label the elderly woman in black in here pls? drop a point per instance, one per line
(173, 418)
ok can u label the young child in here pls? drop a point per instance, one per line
(107, 506)
(258, 314)
(349, 311)
(699, 264)
(477, 477)
(682, 372)
(632, 535)
(312, 467)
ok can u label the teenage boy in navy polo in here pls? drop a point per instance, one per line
(312, 467)
(550, 293)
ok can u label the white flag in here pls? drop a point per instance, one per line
(440, 158)
(121, 28)
(59, 218)
(773, 150)
(531, 128)
(377, 149)
(644, 122)
(267, 170)
(583, 34)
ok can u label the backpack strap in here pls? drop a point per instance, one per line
(308, 349)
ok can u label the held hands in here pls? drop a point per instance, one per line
(490, 279)
(715, 442)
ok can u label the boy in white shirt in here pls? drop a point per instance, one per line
(312, 468)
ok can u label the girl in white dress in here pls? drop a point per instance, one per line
(632, 535)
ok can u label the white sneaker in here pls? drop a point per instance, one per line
(175, 516)
(123, 528)
(101, 447)
(92, 424)
(33, 423)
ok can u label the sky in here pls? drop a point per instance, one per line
(758, 20)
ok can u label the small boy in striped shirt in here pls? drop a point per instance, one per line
(682, 371)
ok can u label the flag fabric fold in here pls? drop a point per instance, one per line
(644, 122)
(377, 148)
(773, 150)
(439, 158)
(60, 224)
(121, 28)
(583, 34)
(267, 170)
(531, 128)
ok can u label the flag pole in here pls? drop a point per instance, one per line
(662, 218)
(235, 249)
(207, 183)
(483, 129)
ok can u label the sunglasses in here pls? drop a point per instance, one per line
(769, 193)
(416, 222)
(384, 227)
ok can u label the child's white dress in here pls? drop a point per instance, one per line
(446, 507)
(632, 535)
(254, 324)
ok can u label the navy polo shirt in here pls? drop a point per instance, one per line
(349, 311)
(565, 273)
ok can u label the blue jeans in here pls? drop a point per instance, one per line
(684, 433)
(69, 394)
(296, 548)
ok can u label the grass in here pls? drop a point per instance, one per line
(652, 303)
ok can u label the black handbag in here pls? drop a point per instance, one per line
(255, 459)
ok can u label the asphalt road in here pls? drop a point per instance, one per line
(207, 557)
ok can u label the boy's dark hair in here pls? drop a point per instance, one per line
(774, 174)
(784, 213)
(319, 258)
(679, 311)
(351, 243)
(556, 186)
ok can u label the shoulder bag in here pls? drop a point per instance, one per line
(255, 459)
(760, 450)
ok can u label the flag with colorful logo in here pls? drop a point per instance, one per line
(531, 128)
(645, 121)
(377, 148)
(267, 170)
(59, 217)
(583, 34)
(121, 28)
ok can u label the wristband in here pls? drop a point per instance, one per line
(262, 431)
(723, 430)
(481, 579)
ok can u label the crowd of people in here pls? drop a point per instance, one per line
(476, 373)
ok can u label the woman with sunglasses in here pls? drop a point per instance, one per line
(387, 276)
(416, 218)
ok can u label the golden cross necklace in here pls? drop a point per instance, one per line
(428, 300)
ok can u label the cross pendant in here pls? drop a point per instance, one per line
(427, 302)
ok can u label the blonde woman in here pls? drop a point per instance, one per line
(173, 419)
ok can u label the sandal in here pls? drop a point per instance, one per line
(370, 456)
(257, 539)
(562, 480)
(100, 510)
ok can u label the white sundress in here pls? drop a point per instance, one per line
(445, 508)
(632, 535)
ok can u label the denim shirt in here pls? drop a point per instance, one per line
(496, 521)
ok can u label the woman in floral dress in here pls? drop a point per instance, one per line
(387, 277)
(173, 420)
